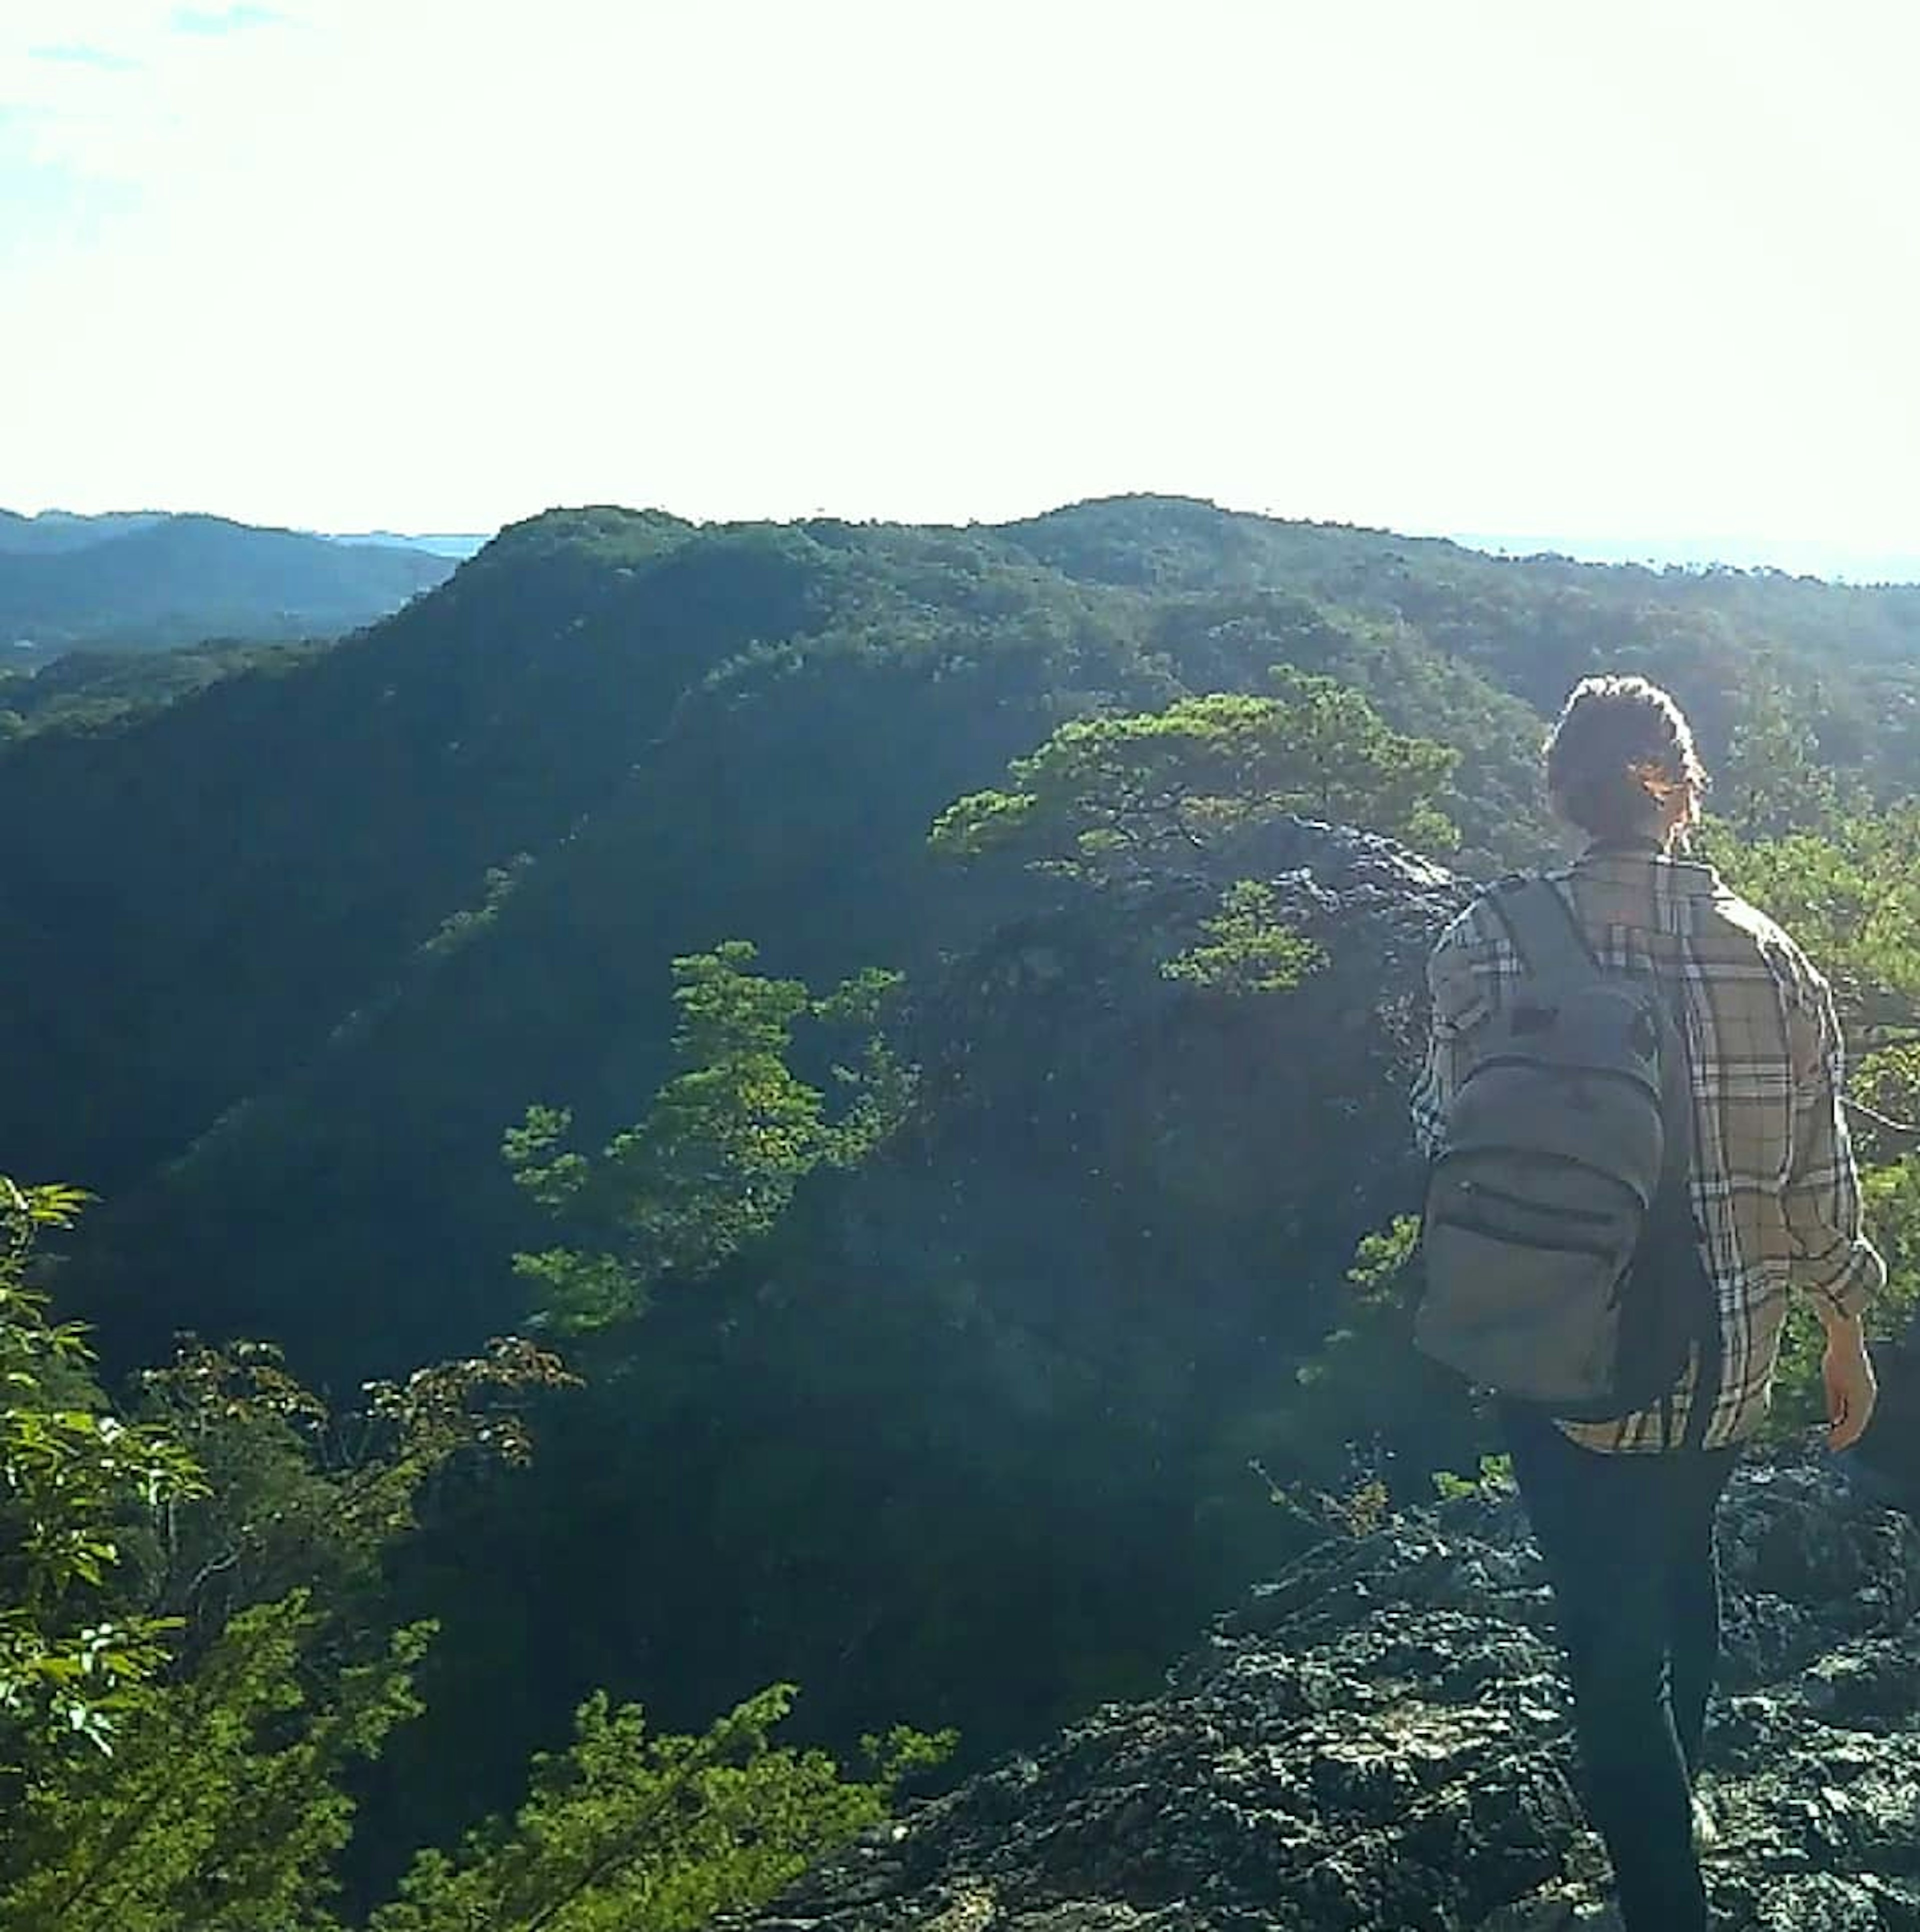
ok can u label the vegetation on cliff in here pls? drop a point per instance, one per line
(967, 1137)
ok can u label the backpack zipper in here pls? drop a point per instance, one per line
(1595, 1217)
(1488, 1230)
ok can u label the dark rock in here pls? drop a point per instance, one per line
(1378, 1740)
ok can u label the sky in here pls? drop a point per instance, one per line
(1636, 274)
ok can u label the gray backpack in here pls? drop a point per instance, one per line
(1562, 1268)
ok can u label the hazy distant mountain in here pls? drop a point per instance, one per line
(462, 548)
(1835, 563)
(60, 530)
(145, 580)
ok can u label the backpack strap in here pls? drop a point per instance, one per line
(1542, 927)
(1673, 1220)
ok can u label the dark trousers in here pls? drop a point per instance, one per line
(1628, 1544)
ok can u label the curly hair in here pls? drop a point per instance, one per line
(1620, 752)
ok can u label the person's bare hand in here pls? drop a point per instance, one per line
(1852, 1386)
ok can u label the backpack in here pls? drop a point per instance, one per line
(1562, 1262)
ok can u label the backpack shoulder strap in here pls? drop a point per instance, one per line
(1543, 928)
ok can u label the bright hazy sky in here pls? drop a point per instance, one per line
(1637, 271)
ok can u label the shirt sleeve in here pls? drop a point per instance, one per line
(1457, 1002)
(1834, 1260)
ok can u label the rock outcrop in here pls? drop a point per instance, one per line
(1377, 1742)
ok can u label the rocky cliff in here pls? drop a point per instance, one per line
(1377, 1742)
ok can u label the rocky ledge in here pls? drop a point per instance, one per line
(1377, 1742)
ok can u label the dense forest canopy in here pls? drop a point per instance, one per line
(718, 1105)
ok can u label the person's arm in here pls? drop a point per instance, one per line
(1835, 1264)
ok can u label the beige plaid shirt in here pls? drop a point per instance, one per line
(1776, 1194)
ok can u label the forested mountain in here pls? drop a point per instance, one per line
(943, 1342)
(147, 581)
(656, 736)
(659, 735)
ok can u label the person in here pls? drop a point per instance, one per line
(1623, 1510)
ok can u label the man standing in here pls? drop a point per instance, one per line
(1623, 1508)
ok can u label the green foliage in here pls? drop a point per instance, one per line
(1381, 1260)
(1495, 1476)
(1773, 782)
(1385, 1281)
(462, 928)
(1227, 640)
(161, 1604)
(1849, 891)
(1114, 801)
(1891, 1195)
(218, 1799)
(1810, 845)
(1892, 1200)
(715, 1163)
(73, 1474)
(1108, 798)
(1843, 876)
(626, 1832)
(296, 1495)
(1366, 1389)
(222, 1811)
(211, 1802)
(1245, 949)
(84, 692)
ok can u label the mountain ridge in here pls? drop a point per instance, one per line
(584, 654)
(143, 581)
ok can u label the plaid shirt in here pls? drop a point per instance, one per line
(1776, 1195)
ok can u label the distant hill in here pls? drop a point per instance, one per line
(1838, 563)
(143, 580)
(461, 547)
(55, 532)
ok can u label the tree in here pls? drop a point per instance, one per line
(1111, 798)
(715, 1162)
(626, 1832)
(222, 1808)
(1246, 948)
(1849, 891)
(1119, 803)
(71, 1660)
(185, 1682)
(189, 1772)
(1773, 781)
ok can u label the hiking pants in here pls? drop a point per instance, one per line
(1628, 1544)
